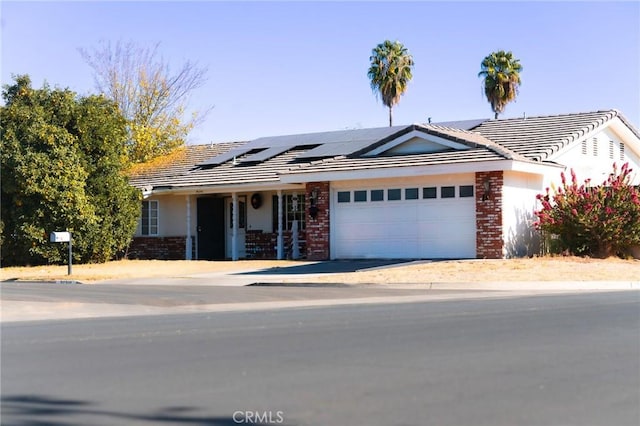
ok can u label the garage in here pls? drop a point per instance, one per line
(426, 221)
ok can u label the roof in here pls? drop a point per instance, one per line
(235, 173)
(176, 164)
(538, 138)
(323, 144)
(348, 163)
(263, 160)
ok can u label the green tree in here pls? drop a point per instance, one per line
(149, 95)
(62, 169)
(390, 73)
(501, 73)
(602, 220)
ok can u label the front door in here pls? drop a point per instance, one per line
(211, 235)
(242, 224)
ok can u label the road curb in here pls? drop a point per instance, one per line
(498, 286)
(524, 285)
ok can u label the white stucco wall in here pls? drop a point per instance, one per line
(597, 165)
(520, 189)
(260, 219)
(172, 213)
(518, 206)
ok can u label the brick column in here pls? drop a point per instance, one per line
(318, 229)
(489, 238)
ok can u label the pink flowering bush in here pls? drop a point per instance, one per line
(601, 221)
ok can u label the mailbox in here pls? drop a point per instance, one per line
(60, 237)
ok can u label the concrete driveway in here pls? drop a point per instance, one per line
(331, 267)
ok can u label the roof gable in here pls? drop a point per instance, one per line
(415, 142)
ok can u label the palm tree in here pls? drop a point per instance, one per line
(501, 73)
(390, 72)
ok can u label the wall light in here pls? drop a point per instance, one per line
(487, 190)
(313, 201)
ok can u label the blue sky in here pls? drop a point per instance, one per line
(294, 67)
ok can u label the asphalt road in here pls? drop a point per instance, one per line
(543, 360)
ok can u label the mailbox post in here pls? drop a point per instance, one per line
(64, 237)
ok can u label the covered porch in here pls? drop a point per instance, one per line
(258, 222)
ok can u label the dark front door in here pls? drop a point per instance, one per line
(211, 228)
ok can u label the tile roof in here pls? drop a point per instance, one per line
(538, 138)
(239, 173)
(350, 163)
(229, 173)
(174, 165)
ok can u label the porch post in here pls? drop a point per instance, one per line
(234, 219)
(295, 246)
(280, 236)
(188, 255)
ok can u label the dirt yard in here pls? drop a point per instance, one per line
(535, 269)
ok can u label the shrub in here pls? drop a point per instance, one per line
(62, 168)
(600, 221)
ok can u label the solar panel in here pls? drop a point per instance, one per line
(266, 154)
(351, 141)
(462, 124)
(334, 149)
(229, 155)
(328, 144)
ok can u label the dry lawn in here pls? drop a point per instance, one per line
(124, 269)
(536, 269)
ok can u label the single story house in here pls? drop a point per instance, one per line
(464, 189)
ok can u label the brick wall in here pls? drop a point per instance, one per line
(318, 228)
(161, 248)
(489, 238)
(260, 245)
(263, 245)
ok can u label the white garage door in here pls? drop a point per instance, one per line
(404, 223)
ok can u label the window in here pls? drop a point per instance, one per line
(291, 210)
(149, 222)
(411, 194)
(344, 197)
(466, 191)
(394, 194)
(448, 192)
(377, 195)
(359, 196)
(242, 214)
(429, 192)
